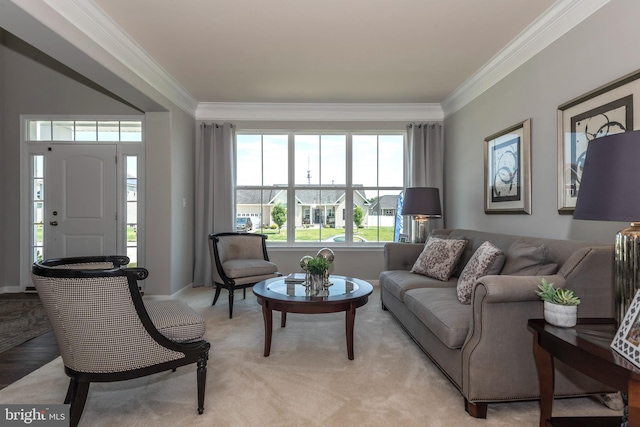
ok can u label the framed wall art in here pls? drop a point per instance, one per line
(627, 338)
(605, 111)
(507, 170)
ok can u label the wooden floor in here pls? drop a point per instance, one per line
(25, 358)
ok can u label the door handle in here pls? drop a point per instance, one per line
(54, 223)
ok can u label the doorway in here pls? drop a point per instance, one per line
(82, 187)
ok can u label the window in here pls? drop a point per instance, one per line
(37, 201)
(84, 130)
(315, 187)
(132, 209)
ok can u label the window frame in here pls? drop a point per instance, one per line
(348, 187)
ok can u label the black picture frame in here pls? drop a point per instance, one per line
(607, 110)
(507, 170)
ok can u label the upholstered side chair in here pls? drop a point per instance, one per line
(239, 260)
(105, 332)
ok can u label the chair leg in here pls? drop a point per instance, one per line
(230, 303)
(71, 391)
(215, 298)
(77, 397)
(244, 293)
(202, 380)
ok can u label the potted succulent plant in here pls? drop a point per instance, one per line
(560, 305)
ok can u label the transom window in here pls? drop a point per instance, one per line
(84, 130)
(338, 187)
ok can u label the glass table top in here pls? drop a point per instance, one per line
(338, 287)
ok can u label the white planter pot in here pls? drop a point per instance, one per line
(564, 316)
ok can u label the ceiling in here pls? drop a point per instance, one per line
(330, 51)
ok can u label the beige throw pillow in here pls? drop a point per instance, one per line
(439, 257)
(487, 259)
(524, 259)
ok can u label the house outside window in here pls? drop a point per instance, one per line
(306, 178)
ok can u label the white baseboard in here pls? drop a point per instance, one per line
(11, 290)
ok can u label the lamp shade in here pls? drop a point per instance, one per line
(422, 201)
(610, 185)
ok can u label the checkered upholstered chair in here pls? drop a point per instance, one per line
(239, 260)
(106, 333)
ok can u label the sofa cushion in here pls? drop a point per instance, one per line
(524, 259)
(176, 320)
(237, 268)
(441, 312)
(487, 259)
(439, 257)
(397, 282)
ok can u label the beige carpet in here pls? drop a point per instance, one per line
(306, 381)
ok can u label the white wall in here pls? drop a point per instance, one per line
(599, 50)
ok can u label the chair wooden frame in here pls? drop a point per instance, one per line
(193, 352)
(227, 282)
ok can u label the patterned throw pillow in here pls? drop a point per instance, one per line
(439, 257)
(486, 260)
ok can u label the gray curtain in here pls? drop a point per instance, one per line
(215, 202)
(425, 148)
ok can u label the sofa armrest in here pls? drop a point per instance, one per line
(498, 336)
(513, 288)
(401, 256)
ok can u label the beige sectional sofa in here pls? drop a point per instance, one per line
(484, 347)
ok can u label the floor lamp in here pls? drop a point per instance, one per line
(421, 203)
(610, 191)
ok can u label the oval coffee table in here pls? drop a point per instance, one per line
(345, 294)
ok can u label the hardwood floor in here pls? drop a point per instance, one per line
(25, 358)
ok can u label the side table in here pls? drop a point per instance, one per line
(584, 348)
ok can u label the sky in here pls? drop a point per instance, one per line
(320, 159)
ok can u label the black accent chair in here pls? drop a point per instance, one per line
(239, 261)
(128, 338)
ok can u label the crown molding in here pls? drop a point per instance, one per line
(561, 17)
(335, 112)
(87, 18)
(95, 24)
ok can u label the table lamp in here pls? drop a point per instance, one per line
(421, 203)
(610, 191)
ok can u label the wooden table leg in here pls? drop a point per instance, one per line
(283, 319)
(350, 318)
(546, 376)
(633, 406)
(267, 314)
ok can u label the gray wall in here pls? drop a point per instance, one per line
(599, 50)
(33, 83)
(170, 201)
(182, 198)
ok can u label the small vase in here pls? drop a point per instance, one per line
(316, 281)
(565, 316)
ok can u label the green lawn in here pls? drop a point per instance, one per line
(316, 234)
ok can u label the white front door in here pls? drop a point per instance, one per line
(80, 200)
